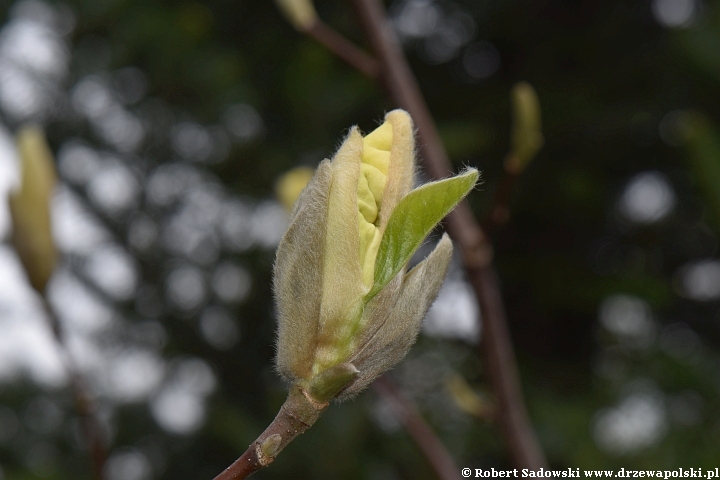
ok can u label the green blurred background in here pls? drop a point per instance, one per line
(171, 122)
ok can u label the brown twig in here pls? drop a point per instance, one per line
(421, 433)
(343, 48)
(297, 414)
(499, 212)
(84, 404)
(476, 251)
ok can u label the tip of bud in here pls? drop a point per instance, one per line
(527, 137)
(380, 138)
(301, 13)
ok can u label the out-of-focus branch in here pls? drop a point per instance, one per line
(343, 48)
(84, 403)
(302, 15)
(421, 433)
(476, 251)
(33, 241)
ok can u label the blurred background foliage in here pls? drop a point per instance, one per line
(171, 122)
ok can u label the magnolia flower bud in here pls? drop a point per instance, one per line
(301, 13)
(30, 207)
(348, 310)
(527, 137)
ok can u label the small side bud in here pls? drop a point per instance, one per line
(301, 13)
(465, 397)
(30, 207)
(271, 446)
(527, 137)
(325, 386)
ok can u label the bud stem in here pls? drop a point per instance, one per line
(299, 412)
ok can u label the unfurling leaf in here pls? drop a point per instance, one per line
(413, 219)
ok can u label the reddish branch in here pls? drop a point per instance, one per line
(408, 415)
(476, 251)
(84, 404)
(499, 212)
(298, 413)
(343, 48)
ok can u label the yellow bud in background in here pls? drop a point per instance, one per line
(291, 184)
(30, 207)
(527, 138)
(465, 397)
(301, 13)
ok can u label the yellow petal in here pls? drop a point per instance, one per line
(379, 159)
(380, 138)
(366, 201)
(367, 233)
(401, 169)
(376, 181)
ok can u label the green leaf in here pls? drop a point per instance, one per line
(413, 219)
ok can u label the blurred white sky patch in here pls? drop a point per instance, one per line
(180, 407)
(700, 280)
(26, 343)
(132, 375)
(231, 282)
(113, 187)
(9, 176)
(243, 122)
(34, 59)
(455, 313)
(218, 327)
(638, 422)
(235, 219)
(648, 198)
(629, 318)
(128, 464)
(79, 309)
(113, 270)
(185, 287)
(269, 222)
(93, 98)
(192, 141)
(75, 228)
(77, 162)
(674, 13)
(440, 31)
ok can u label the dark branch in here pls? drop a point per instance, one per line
(421, 433)
(343, 48)
(476, 251)
(84, 403)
